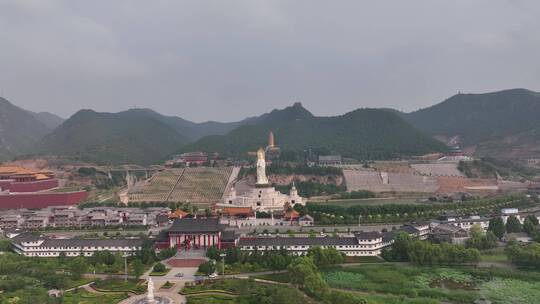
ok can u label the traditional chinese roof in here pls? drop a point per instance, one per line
(14, 170)
(298, 241)
(178, 213)
(238, 211)
(197, 225)
(292, 215)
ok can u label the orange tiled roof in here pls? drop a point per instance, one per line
(178, 213)
(14, 170)
(237, 210)
(292, 214)
(40, 176)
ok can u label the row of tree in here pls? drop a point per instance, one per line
(419, 252)
(310, 188)
(335, 214)
(499, 228)
(272, 260)
(527, 256)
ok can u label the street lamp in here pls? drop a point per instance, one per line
(125, 266)
(223, 255)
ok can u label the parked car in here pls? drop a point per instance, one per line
(179, 275)
(213, 275)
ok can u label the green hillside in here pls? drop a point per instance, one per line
(48, 119)
(19, 130)
(191, 130)
(361, 134)
(480, 117)
(503, 124)
(112, 138)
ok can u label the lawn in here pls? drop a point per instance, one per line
(237, 268)
(160, 273)
(212, 299)
(79, 282)
(113, 285)
(80, 296)
(435, 284)
(276, 277)
(248, 291)
(494, 255)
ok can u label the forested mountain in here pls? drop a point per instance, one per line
(361, 134)
(502, 124)
(189, 129)
(48, 119)
(19, 130)
(125, 137)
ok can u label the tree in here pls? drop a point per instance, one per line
(315, 286)
(78, 266)
(476, 231)
(138, 268)
(147, 254)
(167, 253)
(513, 224)
(400, 249)
(325, 257)
(103, 257)
(231, 256)
(276, 261)
(213, 253)
(207, 268)
(159, 267)
(530, 225)
(496, 225)
(481, 240)
(490, 240)
(300, 269)
(526, 256)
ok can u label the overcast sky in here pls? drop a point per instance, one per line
(224, 60)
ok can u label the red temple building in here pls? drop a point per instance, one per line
(196, 233)
(24, 188)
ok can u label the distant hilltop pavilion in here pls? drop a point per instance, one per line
(272, 151)
(263, 197)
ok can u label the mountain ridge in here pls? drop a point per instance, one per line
(360, 134)
(478, 119)
(19, 129)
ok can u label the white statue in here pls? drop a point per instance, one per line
(150, 294)
(261, 168)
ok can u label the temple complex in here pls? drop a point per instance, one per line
(262, 197)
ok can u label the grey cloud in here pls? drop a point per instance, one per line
(224, 60)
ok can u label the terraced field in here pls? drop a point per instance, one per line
(196, 185)
(201, 185)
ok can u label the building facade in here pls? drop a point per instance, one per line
(359, 244)
(41, 246)
(190, 234)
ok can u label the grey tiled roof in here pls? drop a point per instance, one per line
(298, 241)
(446, 228)
(228, 235)
(190, 225)
(388, 236)
(409, 229)
(368, 235)
(92, 243)
(26, 237)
